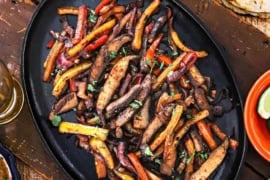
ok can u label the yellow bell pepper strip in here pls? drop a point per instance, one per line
(78, 47)
(175, 38)
(76, 128)
(139, 29)
(100, 147)
(70, 73)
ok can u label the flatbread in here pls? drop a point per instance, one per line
(237, 9)
(258, 6)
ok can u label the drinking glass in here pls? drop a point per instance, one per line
(11, 95)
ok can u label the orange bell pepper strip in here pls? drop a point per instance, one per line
(150, 53)
(138, 166)
(164, 59)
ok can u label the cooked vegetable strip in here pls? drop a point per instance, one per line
(197, 117)
(70, 73)
(100, 147)
(100, 166)
(139, 29)
(169, 155)
(50, 62)
(163, 76)
(122, 102)
(221, 135)
(81, 23)
(67, 10)
(164, 59)
(101, 5)
(191, 155)
(141, 120)
(207, 135)
(113, 81)
(169, 128)
(129, 112)
(78, 47)
(160, 119)
(196, 78)
(123, 176)
(150, 53)
(215, 159)
(138, 166)
(97, 43)
(122, 158)
(107, 53)
(76, 128)
(180, 44)
(156, 28)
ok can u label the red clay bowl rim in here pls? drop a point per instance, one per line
(250, 115)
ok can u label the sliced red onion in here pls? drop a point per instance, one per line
(62, 62)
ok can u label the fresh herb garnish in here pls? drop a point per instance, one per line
(112, 54)
(92, 16)
(56, 120)
(171, 93)
(148, 152)
(182, 154)
(158, 161)
(136, 104)
(91, 88)
(161, 66)
(203, 155)
(124, 51)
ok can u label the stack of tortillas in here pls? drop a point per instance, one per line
(258, 11)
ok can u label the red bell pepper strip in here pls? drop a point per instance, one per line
(72, 85)
(81, 23)
(50, 44)
(164, 59)
(97, 43)
(101, 5)
(150, 53)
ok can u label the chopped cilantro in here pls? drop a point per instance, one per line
(112, 54)
(148, 152)
(182, 154)
(91, 88)
(161, 65)
(157, 161)
(56, 120)
(134, 105)
(203, 155)
(189, 159)
(92, 16)
(174, 53)
(171, 93)
(124, 51)
(138, 102)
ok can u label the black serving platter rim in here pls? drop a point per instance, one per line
(46, 140)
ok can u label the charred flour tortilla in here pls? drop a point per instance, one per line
(260, 8)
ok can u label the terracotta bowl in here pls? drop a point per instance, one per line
(256, 127)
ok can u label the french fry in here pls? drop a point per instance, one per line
(100, 147)
(78, 47)
(139, 29)
(70, 73)
(177, 113)
(76, 128)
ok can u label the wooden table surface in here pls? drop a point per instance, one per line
(248, 54)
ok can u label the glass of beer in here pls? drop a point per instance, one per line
(11, 95)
